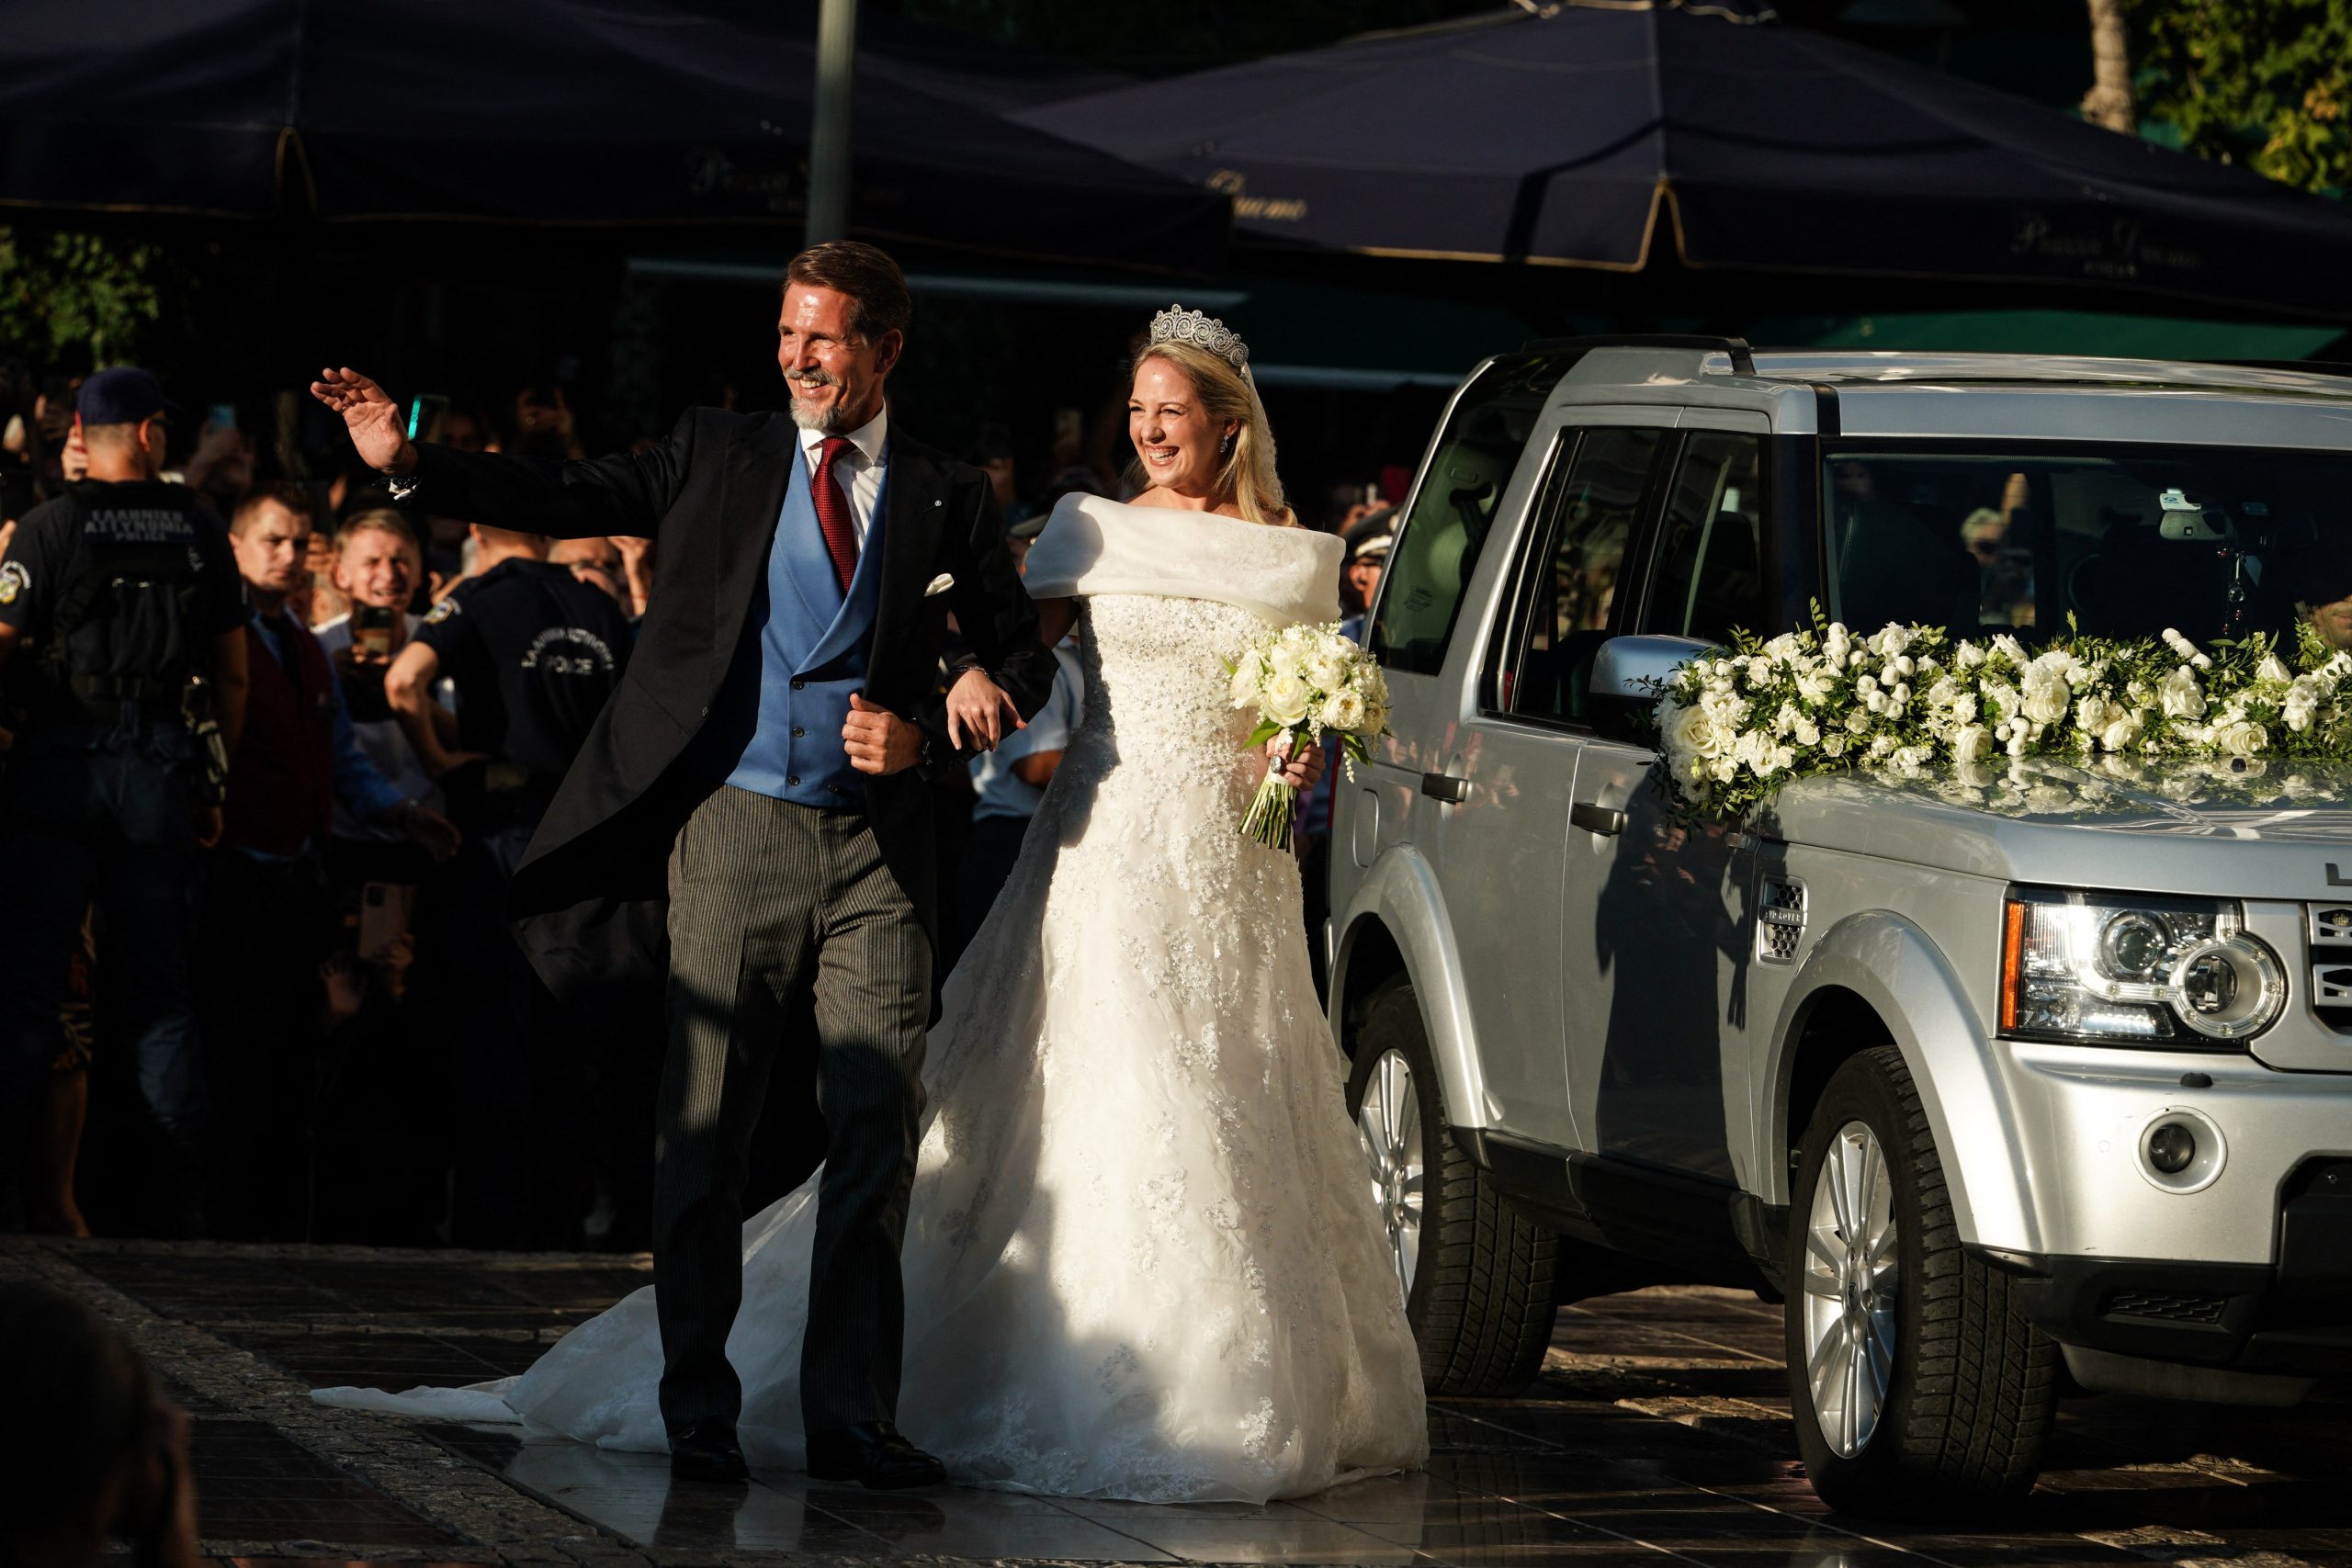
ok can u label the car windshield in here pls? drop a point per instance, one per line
(2129, 540)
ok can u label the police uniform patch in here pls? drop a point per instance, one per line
(15, 578)
(440, 612)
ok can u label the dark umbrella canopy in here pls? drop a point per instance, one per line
(631, 112)
(1598, 137)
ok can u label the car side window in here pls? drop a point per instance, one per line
(1453, 508)
(1575, 581)
(1710, 573)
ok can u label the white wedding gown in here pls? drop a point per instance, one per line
(1140, 1261)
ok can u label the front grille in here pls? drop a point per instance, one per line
(2171, 1308)
(1779, 919)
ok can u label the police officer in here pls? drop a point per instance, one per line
(532, 652)
(122, 649)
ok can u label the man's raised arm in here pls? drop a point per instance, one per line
(628, 492)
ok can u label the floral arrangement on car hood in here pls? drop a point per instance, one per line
(1739, 722)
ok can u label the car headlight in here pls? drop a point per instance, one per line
(2133, 969)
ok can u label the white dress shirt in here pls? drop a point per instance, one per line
(859, 471)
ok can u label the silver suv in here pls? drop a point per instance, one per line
(1862, 1050)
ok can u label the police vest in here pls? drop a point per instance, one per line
(126, 625)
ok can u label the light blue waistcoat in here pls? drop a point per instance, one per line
(812, 648)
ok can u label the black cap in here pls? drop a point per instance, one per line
(124, 394)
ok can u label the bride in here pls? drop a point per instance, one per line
(1139, 1260)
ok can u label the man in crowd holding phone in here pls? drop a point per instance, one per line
(393, 1185)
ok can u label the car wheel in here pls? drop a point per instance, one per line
(1917, 1389)
(1477, 1279)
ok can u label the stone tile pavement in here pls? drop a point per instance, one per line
(1658, 1434)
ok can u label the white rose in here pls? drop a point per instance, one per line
(1857, 721)
(2270, 669)
(2005, 700)
(1901, 694)
(1288, 660)
(1970, 656)
(1344, 710)
(2120, 731)
(2181, 694)
(1327, 669)
(1833, 745)
(1246, 673)
(2046, 697)
(1286, 696)
(1881, 745)
(2009, 648)
(2302, 705)
(2242, 738)
(1972, 743)
(1807, 733)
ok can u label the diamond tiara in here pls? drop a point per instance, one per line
(1176, 324)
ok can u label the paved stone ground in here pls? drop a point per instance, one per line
(1659, 1431)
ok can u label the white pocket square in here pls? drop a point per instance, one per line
(940, 584)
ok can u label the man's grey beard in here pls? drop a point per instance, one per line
(826, 420)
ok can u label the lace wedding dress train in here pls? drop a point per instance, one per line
(1139, 1260)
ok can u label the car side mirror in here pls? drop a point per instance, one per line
(1634, 669)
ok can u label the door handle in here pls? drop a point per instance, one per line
(1445, 787)
(1594, 817)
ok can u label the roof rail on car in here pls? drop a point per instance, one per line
(1743, 362)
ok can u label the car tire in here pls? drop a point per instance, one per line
(1939, 1400)
(1479, 1280)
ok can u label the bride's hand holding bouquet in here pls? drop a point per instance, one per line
(1309, 685)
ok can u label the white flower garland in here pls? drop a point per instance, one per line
(1739, 722)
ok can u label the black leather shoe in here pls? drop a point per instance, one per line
(874, 1455)
(707, 1453)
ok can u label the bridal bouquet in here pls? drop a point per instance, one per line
(1313, 684)
(1737, 723)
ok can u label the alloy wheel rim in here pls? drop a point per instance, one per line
(1850, 1289)
(1389, 1127)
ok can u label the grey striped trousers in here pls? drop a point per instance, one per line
(787, 935)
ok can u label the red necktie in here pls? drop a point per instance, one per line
(833, 517)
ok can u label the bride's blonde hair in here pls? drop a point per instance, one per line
(1246, 477)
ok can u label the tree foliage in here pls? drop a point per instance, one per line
(62, 293)
(2263, 83)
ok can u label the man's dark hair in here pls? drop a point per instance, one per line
(868, 276)
(292, 494)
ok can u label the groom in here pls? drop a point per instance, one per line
(749, 817)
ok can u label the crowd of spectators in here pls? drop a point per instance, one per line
(300, 1008)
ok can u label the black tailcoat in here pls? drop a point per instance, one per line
(590, 900)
